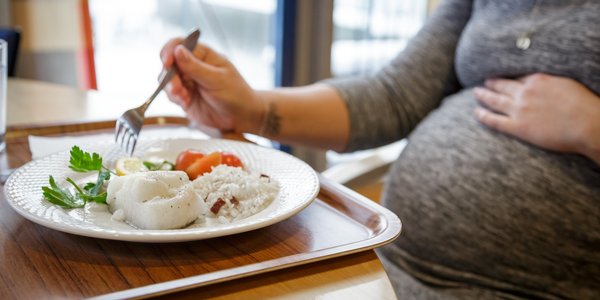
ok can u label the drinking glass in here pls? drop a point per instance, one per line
(3, 74)
(4, 169)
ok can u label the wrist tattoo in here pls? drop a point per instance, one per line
(272, 121)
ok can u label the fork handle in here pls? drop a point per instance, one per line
(189, 42)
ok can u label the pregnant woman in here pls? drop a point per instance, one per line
(499, 186)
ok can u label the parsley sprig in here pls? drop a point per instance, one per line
(59, 196)
(82, 162)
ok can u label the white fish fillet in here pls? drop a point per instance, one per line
(154, 200)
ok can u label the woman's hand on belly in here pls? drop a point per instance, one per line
(555, 113)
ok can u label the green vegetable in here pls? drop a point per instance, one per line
(82, 162)
(88, 197)
(56, 195)
(88, 186)
(159, 166)
(102, 177)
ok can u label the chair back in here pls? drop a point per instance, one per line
(13, 38)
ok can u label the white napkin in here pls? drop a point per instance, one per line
(41, 146)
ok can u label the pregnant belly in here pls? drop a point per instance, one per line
(481, 202)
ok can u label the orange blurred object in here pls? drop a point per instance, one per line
(186, 158)
(231, 160)
(204, 165)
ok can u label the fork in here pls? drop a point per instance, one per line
(129, 124)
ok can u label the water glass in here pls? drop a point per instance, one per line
(3, 75)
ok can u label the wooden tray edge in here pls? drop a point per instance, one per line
(22, 131)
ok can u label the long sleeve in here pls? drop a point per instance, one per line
(386, 107)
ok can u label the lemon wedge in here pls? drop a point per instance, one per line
(129, 165)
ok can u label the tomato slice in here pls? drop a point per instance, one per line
(203, 165)
(231, 160)
(186, 158)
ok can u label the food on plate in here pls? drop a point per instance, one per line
(186, 158)
(231, 160)
(149, 195)
(154, 200)
(129, 165)
(196, 163)
(203, 165)
(231, 193)
(82, 162)
(157, 164)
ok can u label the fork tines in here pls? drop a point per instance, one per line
(125, 136)
(128, 125)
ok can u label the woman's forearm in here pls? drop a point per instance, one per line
(313, 115)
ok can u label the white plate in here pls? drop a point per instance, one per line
(299, 185)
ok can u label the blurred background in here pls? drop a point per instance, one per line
(113, 45)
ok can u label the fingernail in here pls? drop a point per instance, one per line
(479, 112)
(181, 53)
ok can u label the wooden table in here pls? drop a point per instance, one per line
(48, 109)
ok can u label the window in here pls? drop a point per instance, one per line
(128, 36)
(369, 33)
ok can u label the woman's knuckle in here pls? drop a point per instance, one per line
(529, 90)
(538, 77)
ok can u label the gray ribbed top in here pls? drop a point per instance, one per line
(484, 215)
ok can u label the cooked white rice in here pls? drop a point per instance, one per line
(233, 193)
